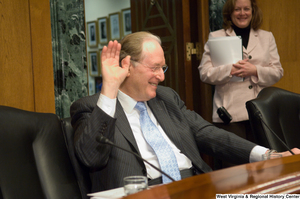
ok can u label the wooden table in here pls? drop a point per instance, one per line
(280, 175)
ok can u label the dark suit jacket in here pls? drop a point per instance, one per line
(186, 129)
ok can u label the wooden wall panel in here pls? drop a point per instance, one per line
(170, 20)
(282, 19)
(42, 56)
(16, 87)
(202, 91)
(26, 69)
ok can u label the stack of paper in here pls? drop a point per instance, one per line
(226, 50)
(109, 194)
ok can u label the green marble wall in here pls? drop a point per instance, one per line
(69, 53)
(215, 14)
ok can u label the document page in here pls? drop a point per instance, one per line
(109, 194)
(226, 50)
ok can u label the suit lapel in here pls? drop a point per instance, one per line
(160, 112)
(230, 32)
(123, 126)
(253, 41)
(178, 134)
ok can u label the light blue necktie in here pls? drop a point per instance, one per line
(162, 149)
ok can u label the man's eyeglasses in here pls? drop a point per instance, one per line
(155, 70)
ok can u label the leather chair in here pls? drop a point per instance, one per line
(280, 109)
(81, 171)
(36, 157)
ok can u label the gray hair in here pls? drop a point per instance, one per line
(132, 44)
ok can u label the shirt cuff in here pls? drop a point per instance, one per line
(107, 105)
(256, 153)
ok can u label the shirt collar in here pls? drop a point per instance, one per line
(127, 102)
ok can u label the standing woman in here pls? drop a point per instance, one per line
(260, 66)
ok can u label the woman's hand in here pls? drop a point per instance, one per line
(243, 68)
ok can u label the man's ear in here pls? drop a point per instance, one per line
(125, 63)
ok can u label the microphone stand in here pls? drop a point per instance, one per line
(258, 114)
(103, 140)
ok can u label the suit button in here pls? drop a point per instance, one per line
(250, 57)
(250, 87)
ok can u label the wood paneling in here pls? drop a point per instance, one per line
(202, 91)
(26, 69)
(282, 19)
(16, 88)
(42, 56)
(171, 21)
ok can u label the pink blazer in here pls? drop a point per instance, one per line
(233, 95)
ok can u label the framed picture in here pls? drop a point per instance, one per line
(103, 30)
(94, 63)
(126, 22)
(92, 33)
(114, 26)
(98, 84)
(91, 87)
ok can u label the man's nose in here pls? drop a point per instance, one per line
(160, 75)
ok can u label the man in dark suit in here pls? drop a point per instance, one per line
(131, 73)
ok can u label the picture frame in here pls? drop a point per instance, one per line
(126, 21)
(91, 87)
(98, 84)
(114, 26)
(94, 63)
(103, 36)
(92, 33)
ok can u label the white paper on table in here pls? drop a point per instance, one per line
(226, 50)
(109, 194)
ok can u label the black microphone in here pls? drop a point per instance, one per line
(103, 140)
(259, 116)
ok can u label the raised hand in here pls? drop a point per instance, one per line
(112, 73)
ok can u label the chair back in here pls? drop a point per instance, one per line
(35, 162)
(280, 109)
(81, 171)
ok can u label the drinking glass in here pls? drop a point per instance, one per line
(133, 184)
(271, 156)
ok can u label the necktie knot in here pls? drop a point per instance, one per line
(140, 106)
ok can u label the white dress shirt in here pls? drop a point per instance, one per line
(109, 106)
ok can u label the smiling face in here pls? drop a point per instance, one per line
(242, 14)
(142, 82)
